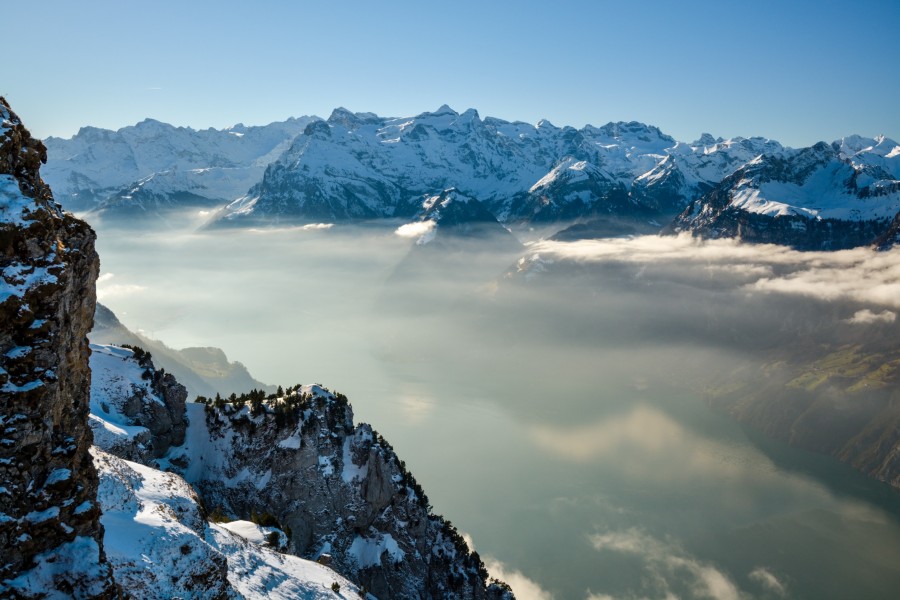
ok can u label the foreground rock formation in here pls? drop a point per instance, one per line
(50, 528)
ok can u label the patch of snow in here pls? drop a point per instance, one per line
(367, 552)
(352, 472)
(326, 466)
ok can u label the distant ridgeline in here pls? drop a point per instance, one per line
(621, 178)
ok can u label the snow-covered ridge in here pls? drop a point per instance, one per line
(161, 545)
(363, 166)
(360, 166)
(820, 197)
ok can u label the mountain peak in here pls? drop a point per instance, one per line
(443, 110)
(351, 120)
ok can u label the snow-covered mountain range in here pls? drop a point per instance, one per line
(822, 197)
(153, 165)
(363, 166)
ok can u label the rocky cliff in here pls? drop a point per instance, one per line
(294, 462)
(337, 489)
(50, 528)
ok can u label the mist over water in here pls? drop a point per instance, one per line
(555, 410)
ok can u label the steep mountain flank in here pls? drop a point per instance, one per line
(362, 166)
(50, 527)
(811, 199)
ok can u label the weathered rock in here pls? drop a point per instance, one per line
(128, 390)
(50, 531)
(336, 488)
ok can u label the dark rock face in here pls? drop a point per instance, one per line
(166, 421)
(49, 519)
(338, 489)
(150, 398)
(891, 237)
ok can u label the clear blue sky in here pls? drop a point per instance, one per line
(797, 71)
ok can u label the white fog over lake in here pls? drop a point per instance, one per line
(556, 409)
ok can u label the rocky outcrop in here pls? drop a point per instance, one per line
(50, 530)
(128, 391)
(891, 237)
(339, 490)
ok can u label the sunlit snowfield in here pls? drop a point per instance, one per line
(556, 414)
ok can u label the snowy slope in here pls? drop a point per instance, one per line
(161, 546)
(203, 371)
(330, 487)
(817, 197)
(153, 164)
(157, 537)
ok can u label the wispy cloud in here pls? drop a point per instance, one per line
(767, 580)
(522, 586)
(860, 275)
(414, 230)
(669, 567)
(867, 317)
(107, 290)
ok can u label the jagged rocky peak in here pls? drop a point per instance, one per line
(460, 216)
(706, 139)
(351, 120)
(317, 128)
(49, 518)
(337, 489)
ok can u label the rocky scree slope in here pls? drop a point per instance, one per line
(50, 529)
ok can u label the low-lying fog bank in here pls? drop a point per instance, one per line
(571, 388)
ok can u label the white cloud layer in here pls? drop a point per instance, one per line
(523, 587)
(415, 230)
(867, 317)
(861, 274)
